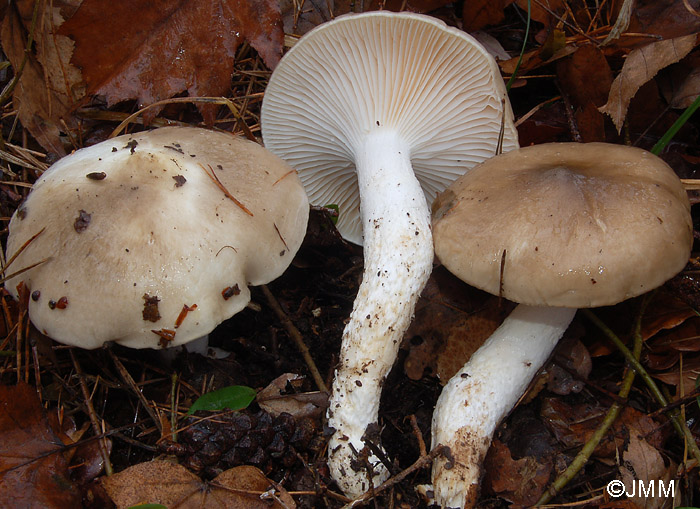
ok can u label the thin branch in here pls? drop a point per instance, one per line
(296, 337)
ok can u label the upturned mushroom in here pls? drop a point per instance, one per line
(378, 112)
(553, 227)
(151, 239)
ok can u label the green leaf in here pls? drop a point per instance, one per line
(234, 397)
(334, 211)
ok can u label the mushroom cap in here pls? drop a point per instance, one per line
(135, 228)
(435, 85)
(582, 225)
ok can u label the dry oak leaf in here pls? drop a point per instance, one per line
(150, 51)
(49, 85)
(33, 470)
(644, 466)
(172, 485)
(520, 481)
(640, 66)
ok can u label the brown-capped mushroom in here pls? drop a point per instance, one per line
(554, 227)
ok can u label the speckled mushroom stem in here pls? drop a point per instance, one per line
(482, 393)
(398, 256)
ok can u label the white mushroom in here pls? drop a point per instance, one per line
(153, 238)
(563, 225)
(378, 112)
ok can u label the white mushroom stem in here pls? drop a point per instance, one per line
(398, 256)
(482, 393)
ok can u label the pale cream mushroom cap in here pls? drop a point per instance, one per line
(582, 225)
(135, 228)
(435, 85)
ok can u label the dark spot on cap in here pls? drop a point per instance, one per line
(179, 180)
(62, 303)
(176, 148)
(82, 221)
(230, 291)
(166, 336)
(22, 212)
(150, 308)
(96, 175)
(132, 145)
(35, 295)
(52, 304)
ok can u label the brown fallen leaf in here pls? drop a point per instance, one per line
(641, 65)
(172, 485)
(49, 84)
(150, 51)
(477, 14)
(585, 75)
(689, 368)
(643, 465)
(273, 398)
(33, 469)
(574, 425)
(452, 321)
(681, 84)
(521, 481)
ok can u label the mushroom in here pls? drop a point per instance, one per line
(553, 227)
(378, 112)
(152, 239)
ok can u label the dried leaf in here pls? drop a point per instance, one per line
(681, 85)
(585, 76)
(172, 485)
(666, 18)
(546, 12)
(574, 425)
(641, 66)
(275, 400)
(49, 84)
(521, 481)
(642, 462)
(691, 369)
(151, 51)
(33, 470)
(452, 321)
(477, 14)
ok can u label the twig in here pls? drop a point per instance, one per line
(673, 414)
(96, 429)
(418, 434)
(585, 453)
(422, 462)
(622, 23)
(296, 337)
(206, 100)
(128, 379)
(214, 178)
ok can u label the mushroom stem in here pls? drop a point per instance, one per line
(398, 256)
(489, 385)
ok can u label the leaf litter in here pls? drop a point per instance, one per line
(73, 91)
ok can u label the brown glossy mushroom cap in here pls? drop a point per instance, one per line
(144, 247)
(565, 224)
